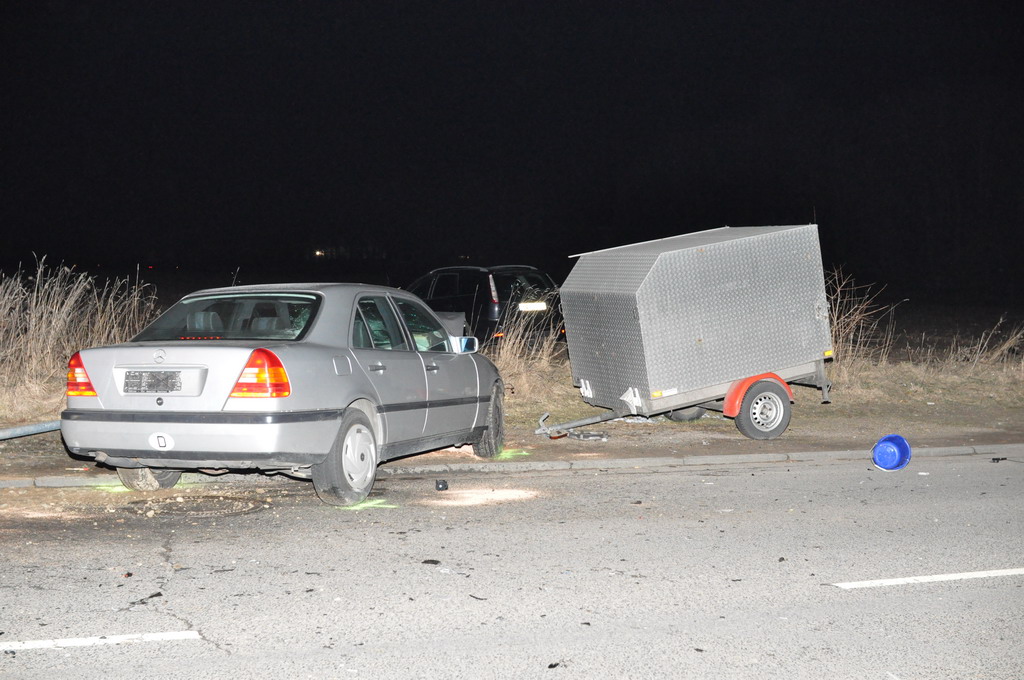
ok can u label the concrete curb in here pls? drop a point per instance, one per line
(666, 461)
(53, 482)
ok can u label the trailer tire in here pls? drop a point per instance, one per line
(765, 411)
(686, 415)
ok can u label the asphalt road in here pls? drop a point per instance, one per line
(729, 571)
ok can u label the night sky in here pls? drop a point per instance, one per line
(398, 137)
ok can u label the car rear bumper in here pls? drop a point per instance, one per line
(202, 440)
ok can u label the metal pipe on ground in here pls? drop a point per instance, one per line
(26, 430)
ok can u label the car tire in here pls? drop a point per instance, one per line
(148, 479)
(493, 439)
(765, 411)
(346, 475)
(686, 415)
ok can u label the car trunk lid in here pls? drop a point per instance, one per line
(164, 376)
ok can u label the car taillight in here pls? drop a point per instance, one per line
(79, 384)
(263, 376)
(494, 289)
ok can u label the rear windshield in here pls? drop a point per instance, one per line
(530, 283)
(242, 316)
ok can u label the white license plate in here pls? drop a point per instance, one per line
(148, 382)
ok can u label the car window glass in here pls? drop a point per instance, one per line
(447, 285)
(470, 284)
(381, 324)
(426, 331)
(360, 334)
(421, 287)
(235, 316)
(510, 285)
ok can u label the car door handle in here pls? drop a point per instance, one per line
(432, 367)
(377, 367)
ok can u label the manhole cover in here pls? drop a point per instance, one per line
(197, 506)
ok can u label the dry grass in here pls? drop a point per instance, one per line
(533, 362)
(998, 347)
(986, 368)
(46, 316)
(863, 339)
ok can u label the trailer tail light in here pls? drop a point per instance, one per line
(263, 376)
(79, 384)
(494, 289)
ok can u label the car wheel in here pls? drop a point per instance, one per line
(346, 475)
(686, 415)
(765, 412)
(148, 479)
(493, 438)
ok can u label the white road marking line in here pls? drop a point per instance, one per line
(105, 640)
(929, 579)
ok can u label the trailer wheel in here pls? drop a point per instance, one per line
(765, 412)
(686, 415)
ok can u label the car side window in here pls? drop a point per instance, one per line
(447, 285)
(375, 326)
(360, 334)
(426, 331)
(421, 288)
(470, 285)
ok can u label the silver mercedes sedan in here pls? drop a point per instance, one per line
(316, 381)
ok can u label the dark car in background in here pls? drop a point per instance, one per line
(493, 298)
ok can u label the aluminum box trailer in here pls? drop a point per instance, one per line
(722, 319)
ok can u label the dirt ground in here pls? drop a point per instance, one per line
(850, 422)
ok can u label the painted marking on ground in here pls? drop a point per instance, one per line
(104, 640)
(929, 579)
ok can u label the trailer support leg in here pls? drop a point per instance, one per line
(823, 381)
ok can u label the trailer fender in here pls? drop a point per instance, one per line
(734, 397)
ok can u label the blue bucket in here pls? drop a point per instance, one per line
(892, 452)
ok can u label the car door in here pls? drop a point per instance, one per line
(453, 388)
(396, 371)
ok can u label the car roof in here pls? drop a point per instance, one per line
(494, 268)
(295, 287)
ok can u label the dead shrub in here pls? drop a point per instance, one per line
(46, 316)
(862, 330)
(533, 363)
(996, 347)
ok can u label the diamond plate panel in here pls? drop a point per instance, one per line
(695, 310)
(605, 345)
(730, 310)
(602, 326)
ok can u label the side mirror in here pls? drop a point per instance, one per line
(468, 344)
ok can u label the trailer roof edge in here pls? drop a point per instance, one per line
(703, 231)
